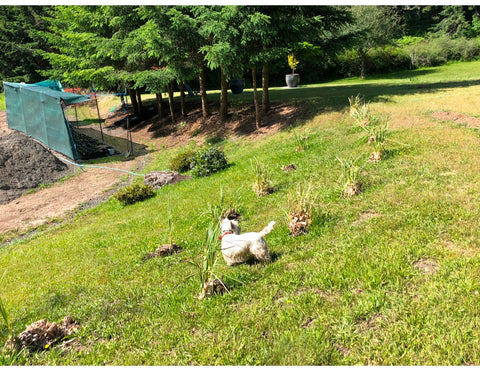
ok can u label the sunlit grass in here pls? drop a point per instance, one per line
(351, 291)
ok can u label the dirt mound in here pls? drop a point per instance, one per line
(459, 118)
(26, 164)
(157, 179)
(42, 334)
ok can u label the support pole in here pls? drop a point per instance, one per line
(99, 119)
(76, 115)
(129, 139)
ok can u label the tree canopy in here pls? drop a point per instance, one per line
(160, 48)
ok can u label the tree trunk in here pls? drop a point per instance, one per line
(363, 58)
(265, 92)
(139, 101)
(170, 101)
(133, 98)
(182, 100)
(223, 97)
(203, 92)
(160, 105)
(255, 98)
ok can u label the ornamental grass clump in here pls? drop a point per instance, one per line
(262, 185)
(4, 315)
(350, 178)
(301, 204)
(376, 135)
(360, 111)
(210, 284)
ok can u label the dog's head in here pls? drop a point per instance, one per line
(228, 225)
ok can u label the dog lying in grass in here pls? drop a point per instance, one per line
(238, 248)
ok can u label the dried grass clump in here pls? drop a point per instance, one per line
(231, 214)
(41, 335)
(301, 204)
(164, 250)
(215, 287)
(349, 179)
(288, 168)
(262, 185)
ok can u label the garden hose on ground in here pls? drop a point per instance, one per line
(100, 167)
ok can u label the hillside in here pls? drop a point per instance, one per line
(387, 277)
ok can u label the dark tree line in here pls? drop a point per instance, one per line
(159, 48)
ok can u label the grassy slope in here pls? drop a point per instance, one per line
(346, 293)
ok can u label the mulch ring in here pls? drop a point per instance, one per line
(164, 250)
(458, 118)
(42, 335)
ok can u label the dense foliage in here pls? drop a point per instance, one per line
(134, 193)
(208, 161)
(157, 48)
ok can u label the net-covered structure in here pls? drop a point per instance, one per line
(36, 110)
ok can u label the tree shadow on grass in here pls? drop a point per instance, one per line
(289, 108)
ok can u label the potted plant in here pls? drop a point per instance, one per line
(237, 85)
(292, 79)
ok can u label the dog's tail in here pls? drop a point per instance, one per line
(267, 229)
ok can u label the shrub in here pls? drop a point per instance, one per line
(208, 161)
(182, 161)
(134, 193)
(437, 51)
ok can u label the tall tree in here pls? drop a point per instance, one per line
(458, 21)
(373, 26)
(254, 28)
(94, 47)
(220, 26)
(291, 25)
(18, 42)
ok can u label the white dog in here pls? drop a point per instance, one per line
(238, 248)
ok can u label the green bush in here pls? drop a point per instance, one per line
(182, 161)
(208, 161)
(438, 51)
(134, 193)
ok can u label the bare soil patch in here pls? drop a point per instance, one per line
(459, 118)
(91, 186)
(427, 266)
(26, 164)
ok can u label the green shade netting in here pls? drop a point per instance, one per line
(37, 111)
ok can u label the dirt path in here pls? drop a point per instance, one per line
(36, 208)
(94, 185)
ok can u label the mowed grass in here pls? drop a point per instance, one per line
(388, 277)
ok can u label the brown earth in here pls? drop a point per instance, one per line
(459, 118)
(90, 186)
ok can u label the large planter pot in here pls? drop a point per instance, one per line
(237, 85)
(292, 80)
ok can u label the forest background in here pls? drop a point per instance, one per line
(156, 49)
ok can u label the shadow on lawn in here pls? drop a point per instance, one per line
(289, 107)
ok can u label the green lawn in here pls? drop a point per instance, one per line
(388, 277)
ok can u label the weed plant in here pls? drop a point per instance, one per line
(301, 141)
